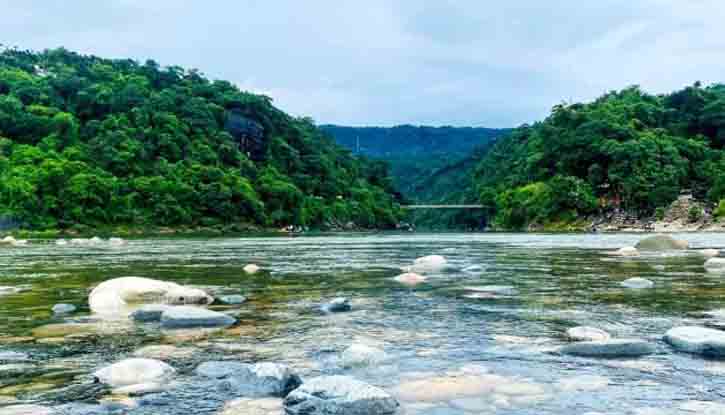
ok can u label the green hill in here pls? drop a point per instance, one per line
(627, 150)
(92, 141)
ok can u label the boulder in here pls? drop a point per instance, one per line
(698, 340)
(333, 395)
(431, 263)
(261, 379)
(337, 305)
(587, 334)
(63, 308)
(609, 348)
(26, 410)
(149, 313)
(362, 355)
(190, 317)
(135, 376)
(637, 283)
(627, 251)
(114, 296)
(232, 299)
(661, 243)
(251, 269)
(410, 279)
(715, 265)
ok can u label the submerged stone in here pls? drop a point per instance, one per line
(430, 263)
(661, 243)
(63, 308)
(585, 334)
(330, 395)
(715, 265)
(190, 317)
(362, 355)
(248, 406)
(337, 305)
(261, 379)
(232, 299)
(637, 283)
(136, 376)
(609, 348)
(698, 340)
(627, 251)
(149, 313)
(410, 278)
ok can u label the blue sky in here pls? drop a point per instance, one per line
(387, 62)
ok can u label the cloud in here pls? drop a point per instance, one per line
(383, 62)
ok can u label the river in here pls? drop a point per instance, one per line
(446, 352)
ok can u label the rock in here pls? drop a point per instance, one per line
(188, 317)
(715, 265)
(8, 240)
(114, 296)
(117, 242)
(13, 357)
(637, 283)
(247, 406)
(473, 269)
(698, 340)
(63, 308)
(431, 263)
(251, 269)
(261, 379)
(362, 355)
(149, 313)
(410, 278)
(333, 395)
(627, 251)
(587, 334)
(337, 305)
(26, 410)
(493, 289)
(9, 290)
(232, 299)
(709, 253)
(609, 348)
(61, 242)
(164, 352)
(661, 243)
(135, 376)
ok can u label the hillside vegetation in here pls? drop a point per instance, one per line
(92, 141)
(627, 150)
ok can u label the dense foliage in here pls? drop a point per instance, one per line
(628, 150)
(92, 141)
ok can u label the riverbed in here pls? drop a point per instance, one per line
(446, 351)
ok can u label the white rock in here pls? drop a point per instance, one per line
(251, 269)
(8, 240)
(715, 265)
(362, 355)
(637, 283)
(117, 242)
(709, 253)
(114, 296)
(431, 263)
(587, 334)
(627, 251)
(410, 278)
(698, 340)
(136, 375)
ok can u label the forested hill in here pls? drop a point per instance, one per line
(409, 140)
(92, 141)
(627, 150)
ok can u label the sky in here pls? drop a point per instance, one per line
(388, 62)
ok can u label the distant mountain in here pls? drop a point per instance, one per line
(409, 140)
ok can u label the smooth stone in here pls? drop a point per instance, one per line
(430, 263)
(188, 317)
(63, 308)
(609, 348)
(715, 265)
(26, 410)
(661, 243)
(343, 395)
(261, 379)
(247, 406)
(410, 278)
(136, 375)
(232, 299)
(362, 355)
(251, 269)
(587, 334)
(709, 253)
(637, 283)
(627, 251)
(149, 313)
(698, 340)
(116, 295)
(337, 305)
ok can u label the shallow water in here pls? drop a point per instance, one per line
(434, 335)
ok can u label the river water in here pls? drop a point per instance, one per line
(445, 352)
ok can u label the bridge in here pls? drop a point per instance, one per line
(442, 207)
